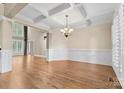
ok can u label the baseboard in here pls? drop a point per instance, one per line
(42, 56)
(79, 62)
(18, 55)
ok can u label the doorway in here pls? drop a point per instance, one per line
(37, 43)
(29, 41)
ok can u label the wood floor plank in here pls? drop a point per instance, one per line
(34, 72)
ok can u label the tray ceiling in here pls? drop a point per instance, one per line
(52, 15)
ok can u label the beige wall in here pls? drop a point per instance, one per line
(95, 37)
(0, 34)
(11, 9)
(39, 44)
(6, 34)
(1, 9)
(57, 40)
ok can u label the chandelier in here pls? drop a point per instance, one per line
(66, 30)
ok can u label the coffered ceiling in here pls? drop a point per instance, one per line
(51, 16)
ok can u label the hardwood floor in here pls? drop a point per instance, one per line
(33, 72)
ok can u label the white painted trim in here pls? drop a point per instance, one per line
(22, 19)
(95, 56)
(5, 61)
(40, 56)
(22, 54)
(5, 18)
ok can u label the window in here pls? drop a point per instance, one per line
(18, 38)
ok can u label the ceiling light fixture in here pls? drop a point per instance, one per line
(66, 31)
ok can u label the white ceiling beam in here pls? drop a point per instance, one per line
(39, 18)
(29, 23)
(53, 11)
(58, 9)
(82, 10)
(10, 10)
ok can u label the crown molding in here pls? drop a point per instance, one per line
(5, 18)
(28, 22)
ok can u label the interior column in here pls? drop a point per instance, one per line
(6, 45)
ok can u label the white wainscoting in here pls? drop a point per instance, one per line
(96, 56)
(58, 54)
(5, 61)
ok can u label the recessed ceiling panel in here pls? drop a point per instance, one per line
(52, 23)
(97, 9)
(29, 12)
(44, 7)
(103, 18)
(78, 13)
(74, 16)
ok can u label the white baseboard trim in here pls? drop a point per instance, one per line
(18, 55)
(95, 56)
(40, 56)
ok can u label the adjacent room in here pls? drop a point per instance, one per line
(61, 45)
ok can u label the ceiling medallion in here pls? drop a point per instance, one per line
(66, 30)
